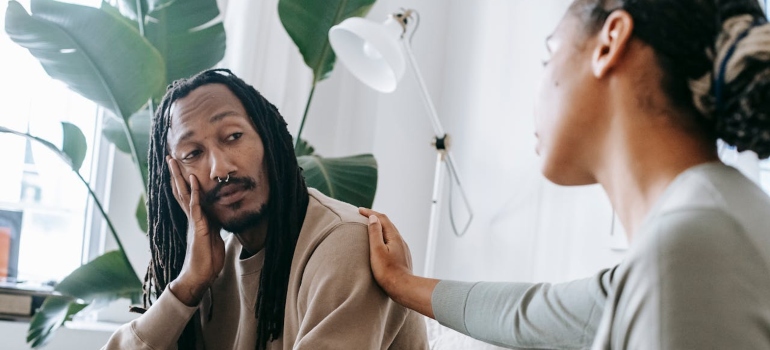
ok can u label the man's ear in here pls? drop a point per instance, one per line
(613, 41)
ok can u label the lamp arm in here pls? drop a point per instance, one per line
(435, 122)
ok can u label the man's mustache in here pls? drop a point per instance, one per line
(245, 183)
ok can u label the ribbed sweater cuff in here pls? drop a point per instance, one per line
(162, 324)
(449, 302)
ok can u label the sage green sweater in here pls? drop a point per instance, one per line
(697, 276)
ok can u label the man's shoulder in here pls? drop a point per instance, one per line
(327, 210)
(329, 218)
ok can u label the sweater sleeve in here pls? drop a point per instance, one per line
(524, 315)
(340, 305)
(697, 281)
(158, 329)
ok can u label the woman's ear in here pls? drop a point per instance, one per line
(612, 42)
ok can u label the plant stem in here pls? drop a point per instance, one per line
(140, 17)
(127, 129)
(66, 159)
(106, 219)
(304, 116)
(134, 153)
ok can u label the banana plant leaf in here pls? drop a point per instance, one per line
(104, 279)
(77, 45)
(52, 314)
(189, 35)
(140, 124)
(141, 215)
(308, 23)
(303, 148)
(74, 145)
(128, 7)
(348, 179)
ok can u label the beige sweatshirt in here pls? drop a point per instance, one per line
(332, 302)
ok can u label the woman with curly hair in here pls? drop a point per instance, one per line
(635, 95)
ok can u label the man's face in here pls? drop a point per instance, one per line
(211, 137)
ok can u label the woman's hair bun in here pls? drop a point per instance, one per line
(736, 94)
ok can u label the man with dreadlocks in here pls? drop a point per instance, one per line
(295, 272)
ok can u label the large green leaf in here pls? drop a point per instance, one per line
(189, 35)
(349, 179)
(104, 279)
(128, 7)
(77, 45)
(52, 314)
(303, 148)
(108, 277)
(66, 158)
(141, 215)
(74, 145)
(308, 23)
(140, 124)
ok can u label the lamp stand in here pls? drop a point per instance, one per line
(444, 160)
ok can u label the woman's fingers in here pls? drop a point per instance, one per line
(376, 242)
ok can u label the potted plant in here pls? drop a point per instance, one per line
(122, 57)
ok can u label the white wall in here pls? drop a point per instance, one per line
(14, 334)
(525, 227)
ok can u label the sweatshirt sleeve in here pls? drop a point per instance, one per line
(524, 315)
(158, 329)
(697, 281)
(340, 305)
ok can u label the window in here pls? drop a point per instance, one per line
(38, 192)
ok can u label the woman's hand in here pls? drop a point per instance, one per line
(205, 255)
(392, 265)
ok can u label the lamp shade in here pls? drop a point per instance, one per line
(371, 51)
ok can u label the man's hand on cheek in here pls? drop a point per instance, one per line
(205, 248)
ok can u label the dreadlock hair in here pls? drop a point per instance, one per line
(286, 208)
(715, 57)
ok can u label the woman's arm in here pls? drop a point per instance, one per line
(522, 315)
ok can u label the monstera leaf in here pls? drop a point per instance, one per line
(76, 44)
(106, 278)
(308, 23)
(348, 179)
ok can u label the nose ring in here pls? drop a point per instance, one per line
(225, 180)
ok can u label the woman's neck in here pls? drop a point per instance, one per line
(642, 160)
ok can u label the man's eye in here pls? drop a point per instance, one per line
(235, 136)
(191, 155)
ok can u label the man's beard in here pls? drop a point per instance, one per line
(243, 221)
